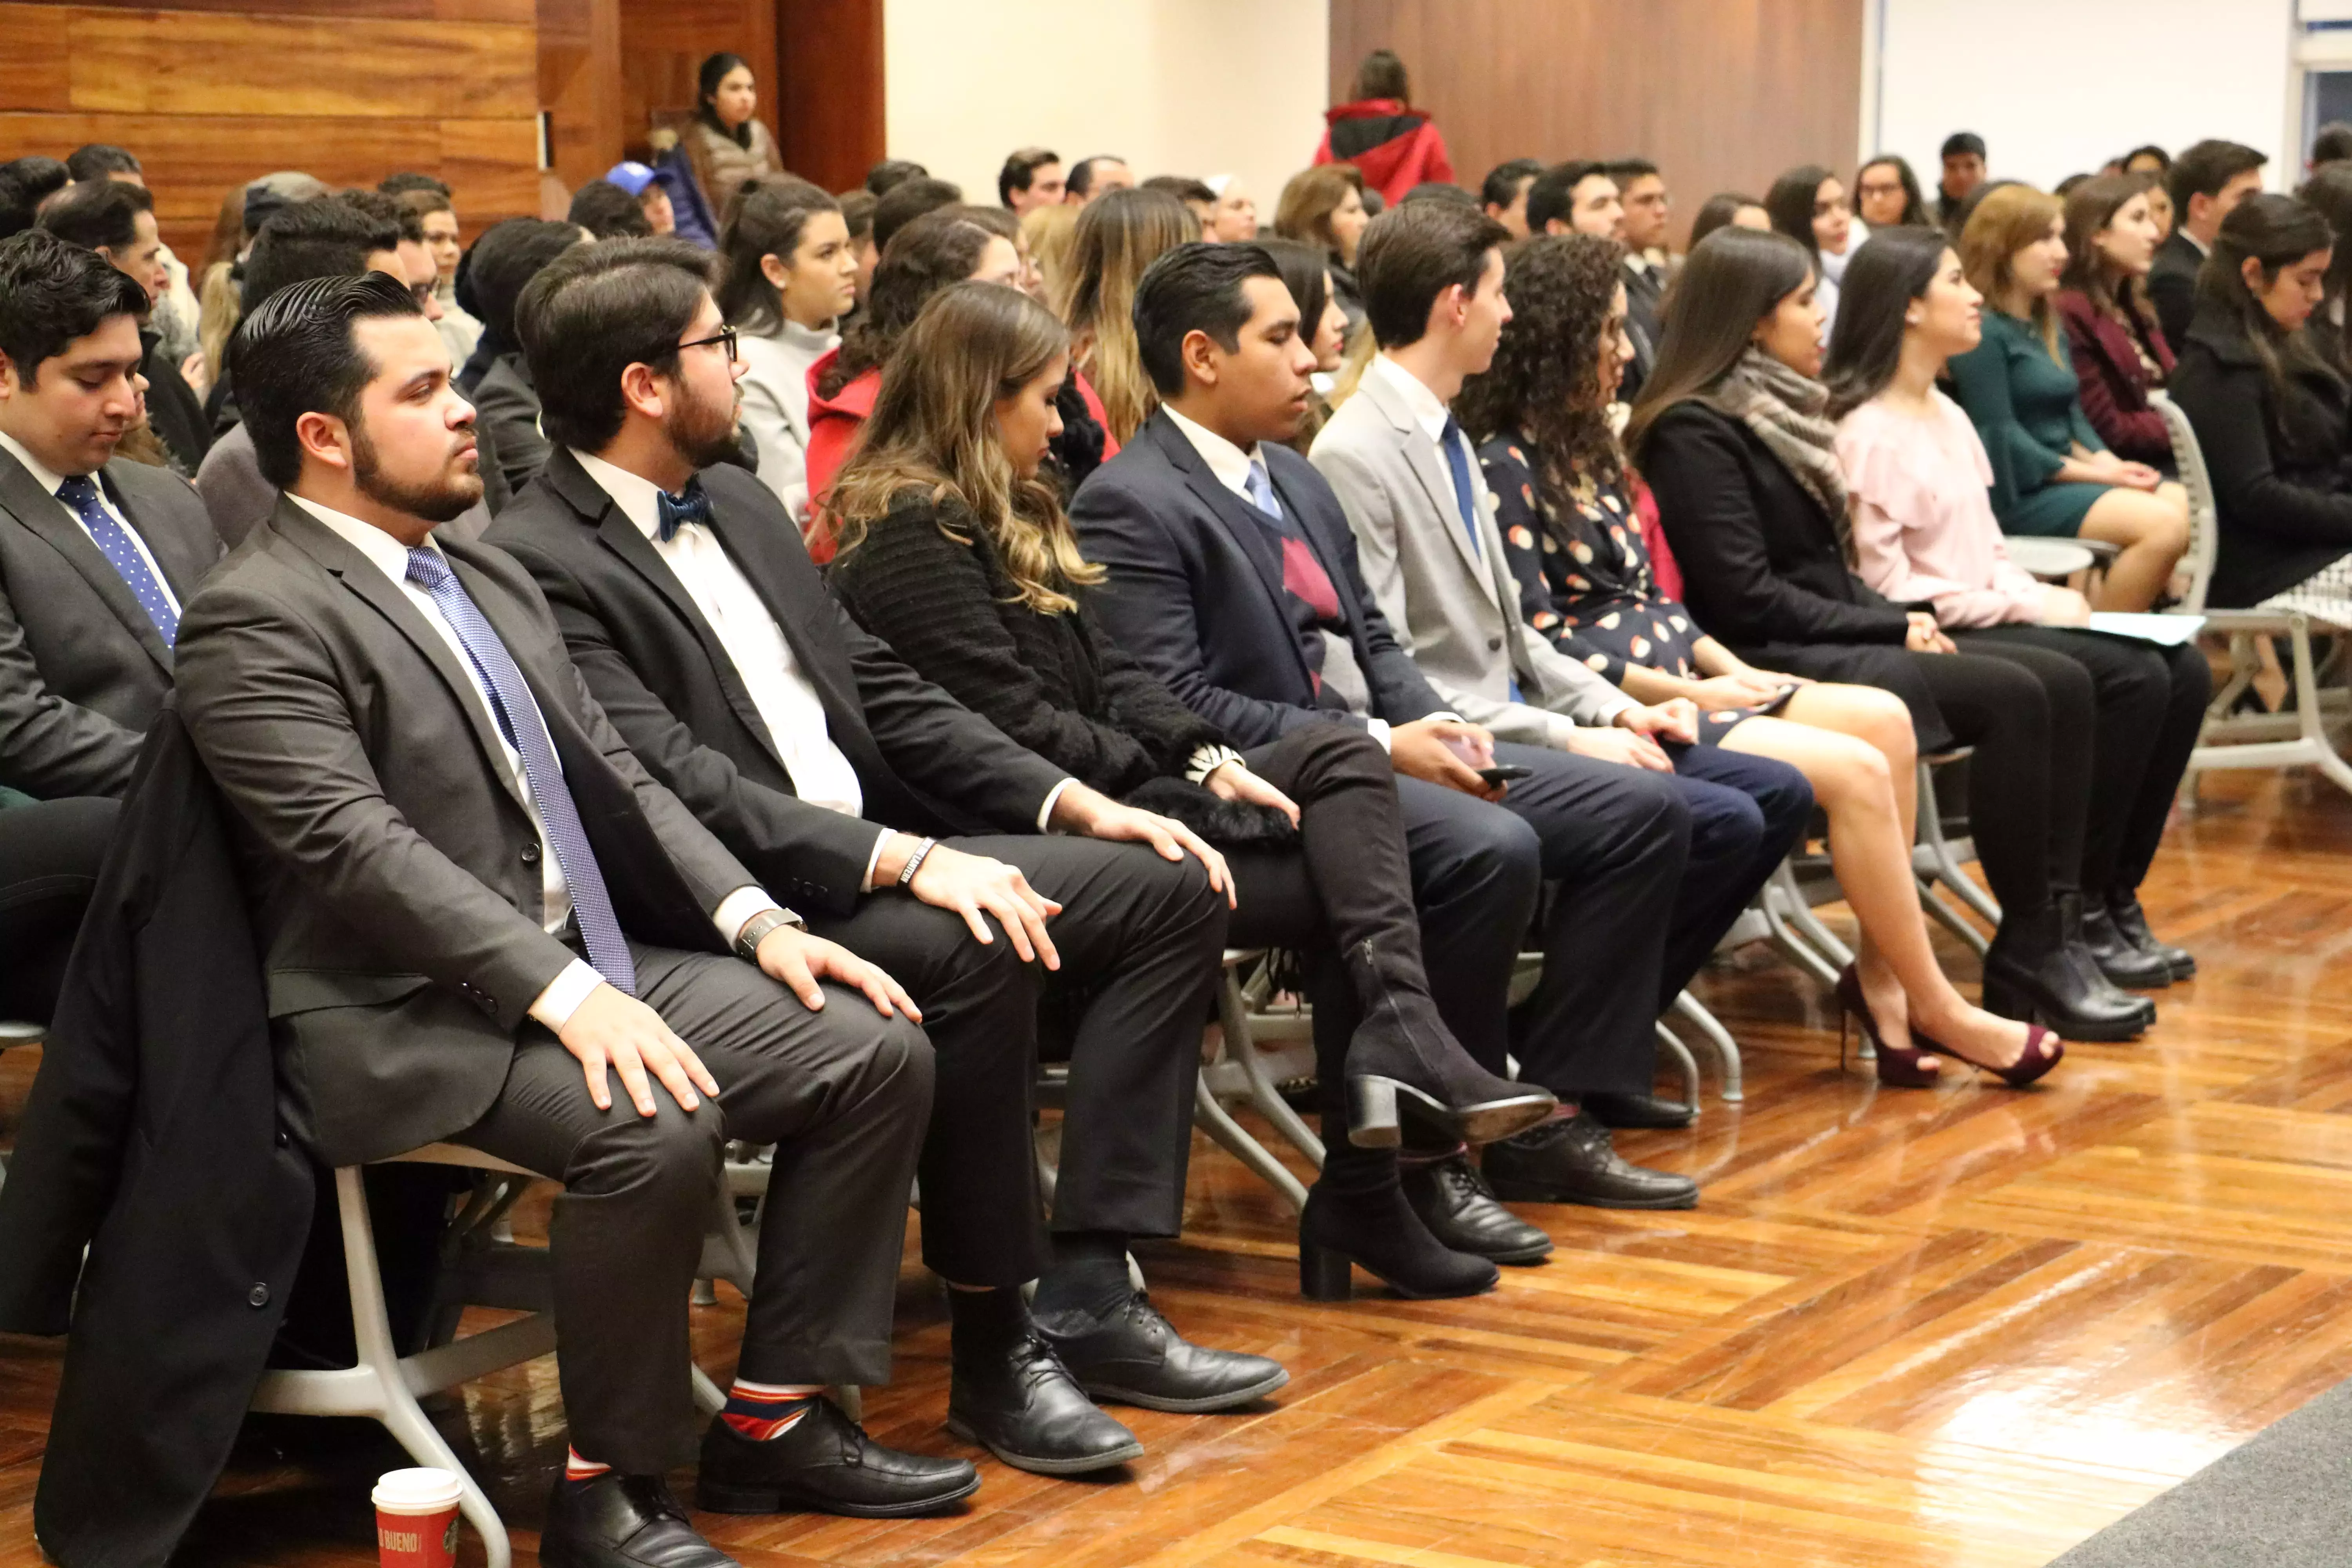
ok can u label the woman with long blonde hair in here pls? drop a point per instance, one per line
(1118, 235)
(957, 554)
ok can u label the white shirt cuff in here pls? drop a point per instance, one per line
(736, 910)
(1207, 759)
(1559, 731)
(1379, 730)
(564, 993)
(872, 860)
(1053, 797)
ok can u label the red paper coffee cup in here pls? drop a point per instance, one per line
(417, 1518)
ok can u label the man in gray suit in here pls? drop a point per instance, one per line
(1432, 275)
(475, 905)
(97, 553)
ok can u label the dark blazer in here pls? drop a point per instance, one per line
(393, 863)
(506, 409)
(1195, 589)
(2172, 284)
(82, 669)
(2280, 480)
(924, 763)
(174, 412)
(2115, 382)
(1763, 569)
(1053, 683)
(1645, 292)
(151, 1138)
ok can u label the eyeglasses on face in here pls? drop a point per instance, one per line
(724, 336)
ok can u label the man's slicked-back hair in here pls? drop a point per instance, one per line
(1196, 287)
(1553, 195)
(25, 184)
(597, 310)
(1021, 169)
(296, 354)
(1501, 187)
(100, 160)
(97, 212)
(53, 291)
(2202, 169)
(1415, 252)
(328, 237)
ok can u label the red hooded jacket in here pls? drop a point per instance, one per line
(1395, 148)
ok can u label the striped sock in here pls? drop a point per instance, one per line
(764, 1411)
(577, 1469)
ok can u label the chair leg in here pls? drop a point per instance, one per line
(2330, 762)
(1727, 1049)
(397, 1409)
(1233, 1015)
(1778, 896)
(1934, 903)
(1211, 1117)
(1683, 1058)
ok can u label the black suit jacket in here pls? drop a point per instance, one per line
(925, 763)
(395, 866)
(506, 410)
(1645, 293)
(2172, 285)
(1195, 588)
(82, 670)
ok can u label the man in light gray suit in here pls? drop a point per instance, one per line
(97, 553)
(1431, 274)
(474, 903)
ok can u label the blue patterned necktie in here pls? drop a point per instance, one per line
(1261, 490)
(518, 716)
(692, 505)
(1458, 461)
(122, 552)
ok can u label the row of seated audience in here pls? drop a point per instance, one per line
(1183, 589)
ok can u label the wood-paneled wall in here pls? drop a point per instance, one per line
(216, 92)
(1721, 94)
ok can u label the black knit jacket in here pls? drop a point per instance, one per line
(1053, 683)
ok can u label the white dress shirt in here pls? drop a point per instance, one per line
(787, 701)
(1231, 465)
(50, 480)
(563, 995)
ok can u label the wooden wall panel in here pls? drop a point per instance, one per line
(829, 69)
(663, 46)
(1721, 94)
(214, 94)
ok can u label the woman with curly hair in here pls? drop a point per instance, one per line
(1545, 415)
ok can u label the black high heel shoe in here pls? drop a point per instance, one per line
(1404, 1060)
(1898, 1067)
(1379, 1230)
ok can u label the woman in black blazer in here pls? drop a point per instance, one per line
(954, 553)
(1732, 436)
(2274, 417)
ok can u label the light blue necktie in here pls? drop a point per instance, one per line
(518, 716)
(122, 552)
(1261, 490)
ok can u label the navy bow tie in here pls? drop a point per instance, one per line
(676, 510)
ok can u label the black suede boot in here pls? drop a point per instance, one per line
(1404, 1058)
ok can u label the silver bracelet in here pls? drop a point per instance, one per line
(915, 861)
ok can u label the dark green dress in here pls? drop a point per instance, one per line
(2028, 408)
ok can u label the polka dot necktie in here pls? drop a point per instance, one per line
(122, 552)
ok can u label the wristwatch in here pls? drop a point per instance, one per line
(755, 932)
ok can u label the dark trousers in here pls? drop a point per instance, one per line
(50, 856)
(2029, 714)
(2148, 704)
(1139, 938)
(842, 1092)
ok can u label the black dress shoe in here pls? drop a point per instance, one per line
(1379, 1230)
(1136, 1357)
(1637, 1110)
(622, 1521)
(1572, 1161)
(1454, 1202)
(826, 1464)
(2119, 958)
(2132, 921)
(1022, 1405)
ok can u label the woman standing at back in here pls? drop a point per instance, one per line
(1395, 145)
(2052, 473)
(1733, 435)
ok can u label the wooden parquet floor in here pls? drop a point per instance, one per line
(1965, 1326)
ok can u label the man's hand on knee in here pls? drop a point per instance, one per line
(799, 960)
(614, 1031)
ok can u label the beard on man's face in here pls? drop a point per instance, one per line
(704, 431)
(449, 495)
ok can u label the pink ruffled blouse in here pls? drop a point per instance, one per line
(1924, 530)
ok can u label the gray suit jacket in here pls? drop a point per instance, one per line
(82, 671)
(392, 863)
(1458, 613)
(506, 408)
(238, 498)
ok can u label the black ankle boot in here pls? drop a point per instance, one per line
(1404, 1058)
(2071, 918)
(2132, 921)
(2033, 974)
(1379, 1230)
(2121, 959)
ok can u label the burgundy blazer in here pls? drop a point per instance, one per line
(2114, 382)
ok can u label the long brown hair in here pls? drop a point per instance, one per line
(1118, 235)
(2274, 232)
(933, 437)
(2005, 223)
(1731, 281)
(2091, 207)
